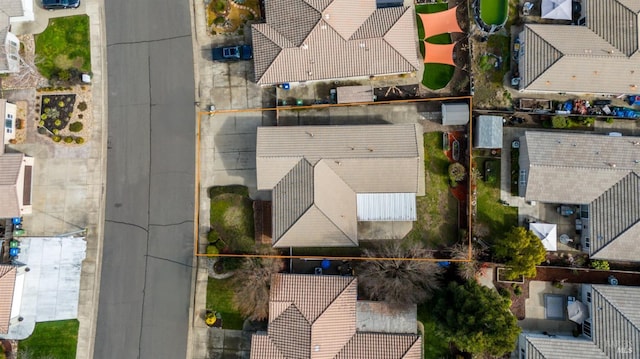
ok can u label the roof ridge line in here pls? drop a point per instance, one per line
(618, 310)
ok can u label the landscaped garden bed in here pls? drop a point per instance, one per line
(61, 118)
(227, 16)
(56, 111)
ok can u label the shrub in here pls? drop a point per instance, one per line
(82, 106)
(212, 249)
(457, 172)
(231, 263)
(46, 100)
(57, 123)
(558, 284)
(76, 127)
(43, 116)
(213, 236)
(559, 122)
(219, 20)
(56, 138)
(599, 264)
(41, 123)
(79, 140)
(60, 103)
(68, 139)
(609, 120)
(220, 6)
(80, 116)
(55, 131)
(64, 75)
(517, 290)
(504, 292)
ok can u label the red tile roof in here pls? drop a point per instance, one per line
(7, 284)
(314, 316)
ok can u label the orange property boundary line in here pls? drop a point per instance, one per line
(196, 222)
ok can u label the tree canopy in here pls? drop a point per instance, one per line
(476, 319)
(251, 284)
(399, 282)
(522, 251)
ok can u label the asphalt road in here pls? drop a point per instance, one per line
(148, 242)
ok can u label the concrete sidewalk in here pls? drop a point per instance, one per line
(69, 182)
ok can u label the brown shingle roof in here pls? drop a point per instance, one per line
(554, 61)
(555, 160)
(316, 171)
(314, 316)
(325, 39)
(7, 284)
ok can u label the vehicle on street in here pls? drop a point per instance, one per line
(60, 4)
(232, 53)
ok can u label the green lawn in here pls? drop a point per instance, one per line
(232, 219)
(220, 299)
(437, 211)
(436, 346)
(53, 339)
(435, 76)
(64, 45)
(491, 213)
(494, 12)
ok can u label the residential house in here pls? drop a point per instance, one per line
(326, 182)
(11, 285)
(308, 40)
(8, 113)
(611, 328)
(317, 316)
(599, 58)
(42, 284)
(12, 11)
(598, 174)
(16, 174)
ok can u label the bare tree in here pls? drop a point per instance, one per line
(251, 286)
(399, 282)
(470, 269)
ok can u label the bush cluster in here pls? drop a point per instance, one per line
(76, 127)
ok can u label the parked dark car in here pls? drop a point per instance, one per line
(232, 53)
(60, 4)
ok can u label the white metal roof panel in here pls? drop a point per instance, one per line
(386, 206)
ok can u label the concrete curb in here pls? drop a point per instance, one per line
(88, 307)
(197, 335)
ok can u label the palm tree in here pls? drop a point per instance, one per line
(403, 280)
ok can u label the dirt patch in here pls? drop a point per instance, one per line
(233, 217)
